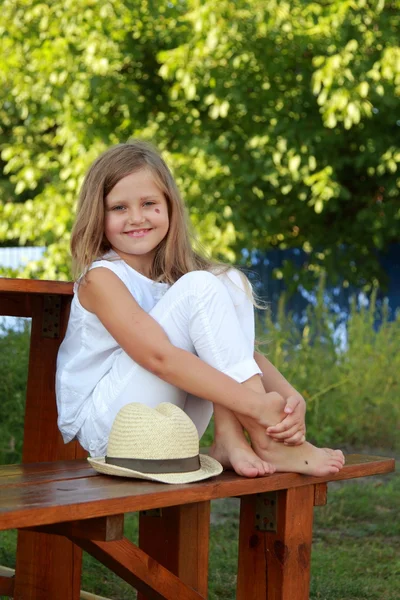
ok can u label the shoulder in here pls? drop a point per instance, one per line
(99, 285)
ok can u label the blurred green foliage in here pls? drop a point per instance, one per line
(278, 119)
(349, 379)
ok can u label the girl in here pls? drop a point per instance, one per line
(151, 321)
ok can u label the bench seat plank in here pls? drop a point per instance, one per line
(87, 497)
(27, 474)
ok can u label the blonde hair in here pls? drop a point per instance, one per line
(174, 255)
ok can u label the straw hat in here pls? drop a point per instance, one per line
(160, 444)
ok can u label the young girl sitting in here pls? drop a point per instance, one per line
(152, 321)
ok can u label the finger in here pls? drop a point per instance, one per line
(291, 403)
(295, 440)
(286, 435)
(296, 428)
(287, 423)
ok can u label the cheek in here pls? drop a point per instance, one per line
(109, 225)
(157, 211)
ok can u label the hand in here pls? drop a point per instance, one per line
(267, 411)
(292, 429)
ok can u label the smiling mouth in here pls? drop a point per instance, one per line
(138, 232)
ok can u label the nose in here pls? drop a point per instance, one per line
(135, 215)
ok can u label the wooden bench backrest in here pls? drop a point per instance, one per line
(47, 303)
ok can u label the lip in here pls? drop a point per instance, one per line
(138, 233)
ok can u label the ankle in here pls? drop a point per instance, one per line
(228, 439)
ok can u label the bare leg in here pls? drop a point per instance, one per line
(306, 458)
(231, 448)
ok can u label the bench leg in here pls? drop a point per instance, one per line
(48, 567)
(178, 538)
(275, 565)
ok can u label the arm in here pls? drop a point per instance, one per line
(145, 341)
(291, 430)
(272, 379)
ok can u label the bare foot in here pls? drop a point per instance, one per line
(306, 458)
(240, 458)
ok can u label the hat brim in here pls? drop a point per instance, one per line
(209, 468)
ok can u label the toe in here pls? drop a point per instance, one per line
(268, 468)
(246, 469)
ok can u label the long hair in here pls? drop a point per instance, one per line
(174, 255)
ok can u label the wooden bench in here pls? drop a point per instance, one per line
(60, 505)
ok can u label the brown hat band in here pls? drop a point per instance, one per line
(166, 465)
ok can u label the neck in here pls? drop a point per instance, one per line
(142, 264)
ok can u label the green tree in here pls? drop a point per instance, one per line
(278, 118)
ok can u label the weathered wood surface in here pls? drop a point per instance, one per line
(27, 474)
(88, 497)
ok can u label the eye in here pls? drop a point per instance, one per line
(148, 203)
(118, 207)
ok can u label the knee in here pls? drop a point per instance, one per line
(200, 279)
(238, 286)
(202, 283)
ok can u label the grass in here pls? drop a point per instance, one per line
(356, 546)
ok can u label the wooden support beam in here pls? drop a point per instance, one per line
(104, 529)
(178, 538)
(139, 570)
(276, 565)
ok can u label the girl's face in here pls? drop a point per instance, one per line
(136, 219)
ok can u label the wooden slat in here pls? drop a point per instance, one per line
(139, 570)
(35, 286)
(28, 474)
(84, 498)
(276, 565)
(179, 540)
